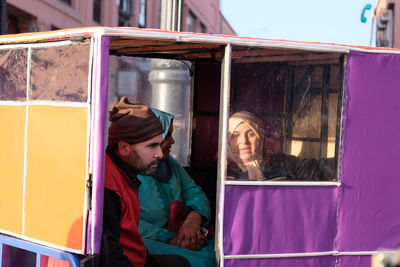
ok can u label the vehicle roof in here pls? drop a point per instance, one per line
(184, 37)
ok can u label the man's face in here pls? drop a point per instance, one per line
(144, 156)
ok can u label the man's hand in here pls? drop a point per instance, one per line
(189, 235)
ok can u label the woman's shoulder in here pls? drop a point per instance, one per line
(175, 165)
(171, 160)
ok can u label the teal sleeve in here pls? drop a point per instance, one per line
(152, 231)
(192, 194)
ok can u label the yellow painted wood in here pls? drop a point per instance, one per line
(12, 136)
(56, 173)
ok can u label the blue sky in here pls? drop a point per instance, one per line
(335, 21)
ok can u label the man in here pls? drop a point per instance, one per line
(134, 139)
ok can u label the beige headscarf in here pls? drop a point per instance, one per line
(253, 167)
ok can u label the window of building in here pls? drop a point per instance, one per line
(159, 13)
(66, 1)
(125, 7)
(385, 28)
(142, 14)
(19, 21)
(97, 11)
(202, 28)
(190, 22)
(12, 24)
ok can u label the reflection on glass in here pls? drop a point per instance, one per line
(13, 257)
(50, 261)
(60, 73)
(13, 74)
(284, 114)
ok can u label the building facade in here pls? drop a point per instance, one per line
(44, 15)
(387, 23)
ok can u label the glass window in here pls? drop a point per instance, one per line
(124, 11)
(190, 22)
(142, 14)
(13, 256)
(202, 28)
(66, 1)
(60, 73)
(97, 11)
(285, 109)
(13, 64)
(159, 83)
(159, 14)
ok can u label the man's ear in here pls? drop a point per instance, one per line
(123, 149)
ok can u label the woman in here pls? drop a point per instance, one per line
(171, 191)
(247, 155)
(248, 158)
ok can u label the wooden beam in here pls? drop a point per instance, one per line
(286, 58)
(264, 52)
(138, 42)
(329, 61)
(166, 48)
(201, 55)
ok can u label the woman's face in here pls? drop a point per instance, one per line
(244, 143)
(168, 142)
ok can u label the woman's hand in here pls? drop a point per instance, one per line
(189, 235)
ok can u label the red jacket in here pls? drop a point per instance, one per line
(121, 238)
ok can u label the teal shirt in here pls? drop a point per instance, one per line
(155, 198)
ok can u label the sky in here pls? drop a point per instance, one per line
(332, 21)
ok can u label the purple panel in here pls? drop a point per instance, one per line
(89, 235)
(369, 210)
(264, 219)
(351, 261)
(99, 112)
(285, 262)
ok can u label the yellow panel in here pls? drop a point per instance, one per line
(56, 172)
(12, 140)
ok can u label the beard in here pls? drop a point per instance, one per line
(147, 170)
(140, 167)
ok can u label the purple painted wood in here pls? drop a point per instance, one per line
(352, 261)
(369, 211)
(266, 219)
(284, 262)
(98, 141)
(362, 214)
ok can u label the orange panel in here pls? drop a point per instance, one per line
(56, 173)
(12, 140)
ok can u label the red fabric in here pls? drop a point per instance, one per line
(130, 239)
(177, 215)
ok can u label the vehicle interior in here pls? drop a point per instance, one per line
(297, 94)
